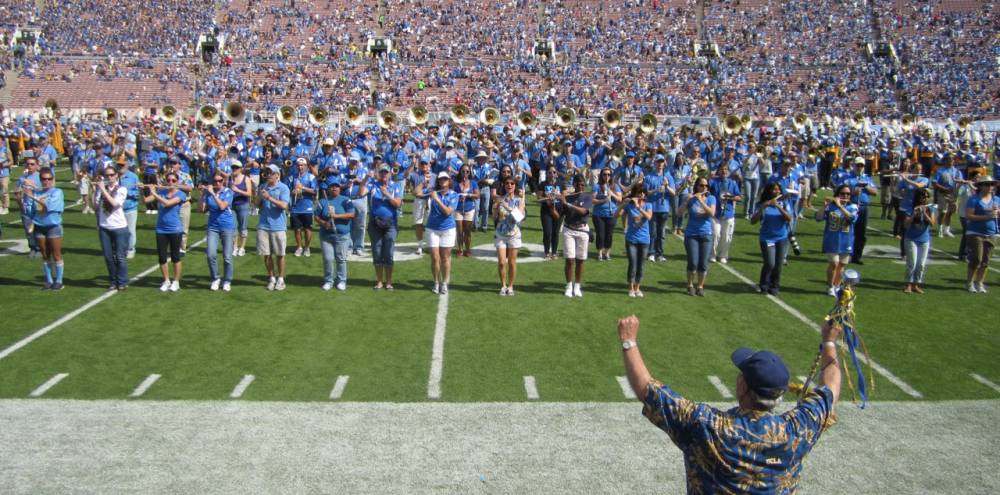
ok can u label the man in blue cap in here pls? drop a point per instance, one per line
(749, 448)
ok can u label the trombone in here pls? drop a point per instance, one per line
(647, 123)
(489, 116)
(526, 120)
(387, 119)
(612, 118)
(417, 115)
(286, 115)
(565, 117)
(318, 115)
(460, 114)
(354, 115)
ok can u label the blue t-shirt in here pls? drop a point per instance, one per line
(658, 200)
(838, 233)
(131, 183)
(272, 218)
(380, 204)
(436, 219)
(946, 177)
(605, 210)
(52, 214)
(773, 227)
(699, 221)
(719, 187)
(981, 207)
(466, 202)
(168, 219)
(303, 204)
(919, 231)
(636, 225)
(220, 220)
(27, 205)
(339, 205)
(862, 181)
(908, 190)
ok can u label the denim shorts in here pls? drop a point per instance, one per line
(48, 231)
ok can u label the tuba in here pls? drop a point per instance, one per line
(460, 114)
(417, 115)
(110, 115)
(52, 107)
(387, 119)
(286, 115)
(555, 149)
(746, 121)
(489, 116)
(526, 120)
(858, 120)
(612, 118)
(732, 124)
(168, 113)
(208, 115)
(800, 120)
(648, 123)
(235, 112)
(354, 115)
(565, 117)
(318, 115)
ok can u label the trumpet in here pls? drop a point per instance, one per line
(460, 114)
(318, 115)
(648, 123)
(417, 115)
(565, 117)
(489, 116)
(526, 120)
(286, 115)
(208, 115)
(387, 119)
(612, 118)
(235, 112)
(354, 115)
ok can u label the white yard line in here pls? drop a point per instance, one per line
(437, 354)
(936, 250)
(721, 387)
(626, 387)
(76, 312)
(144, 386)
(38, 392)
(984, 381)
(530, 389)
(338, 387)
(241, 387)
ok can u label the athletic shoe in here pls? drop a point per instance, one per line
(271, 283)
(569, 290)
(420, 251)
(832, 291)
(175, 286)
(661, 259)
(280, 285)
(226, 287)
(327, 286)
(700, 291)
(510, 291)
(121, 288)
(444, 289)
(981, 287)
(773, 291)
(165, 286)
(577, 292)
(130, 255)
(306, 253)
(154, 212)
(651, 258)
(298, 251)
(215, 284)
(57, 286)
(691, 291)
(639, 294)
(723, 261)
(631, 293)
(712, 260)
(972, 288)
(243, 252)
(760, 289)
(948, 233)
(503, 291)
(341, 286)
(236, 252)
(389, 287)
(436, 289)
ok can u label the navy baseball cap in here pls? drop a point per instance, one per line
(332, 181)
(763, 371)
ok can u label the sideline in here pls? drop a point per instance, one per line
(437, 354)
(76, 312)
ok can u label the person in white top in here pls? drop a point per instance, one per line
(113, 226)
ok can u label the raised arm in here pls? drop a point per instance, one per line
(635, 367)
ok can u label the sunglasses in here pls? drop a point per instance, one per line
(171, 180)
(110, 176)
(45, 178)
(844, 194)
(217, 181)
(510, 184)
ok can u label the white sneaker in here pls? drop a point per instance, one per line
(639, 294)
(981, 287)
(661, 259)
(243, 252)
(130, 255)
(631, 293)
(569, 290)
(723, 261)
(503, 291)
(226, 287)
(298, 251)
(832, 291)
(577, 292)
(420, 251)
(510, 291)
(236, 252)
(327, 286)
(444, 289)
(651, 258)
(436, 289)
(306, 253)
(948, 233)
(154, 212)
(280, 285)
(215, 284)
(711, 260)
(341, 286)
(175, 286)
(271, 283)
(972, 287)
(165, 286)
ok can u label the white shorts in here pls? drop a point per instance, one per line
(575, 243)
(465, 217)
(507, 242)
(420, 211)
(440, 238)
(843, 258)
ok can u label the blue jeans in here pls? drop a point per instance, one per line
(751, 187)
(773, 255)
(483, 209)
(131, 216)
(636, 261)
(212, 245)
(114, 245)
(675, 203)
(657, 226)
(698, 248)
(26, 221)
(383, 244)
(242, 211)
(359, 223)
(335, 249)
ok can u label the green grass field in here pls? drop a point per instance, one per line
(297, 342)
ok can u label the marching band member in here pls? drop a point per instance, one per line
(421, 183)
(862, 189)
(945, 184)
(169, 229)
(638, 214)
(680, 171)
(838, 233)
(607, 196)
(917, 239)
(483, 174)
(46, 221)
(217, 200)
(983, 214)
(441, 231)
(966, 189)
(242, 187)
(273, 199)
(113, 227)
(701, 207)
(28, 181)
(386, 199)
(185, 184)
(574, 210)
(508, 211)
(548, 195)
(727, 193)
(356, 177)
(303, 189)
(659, 185)
(465, 214)
(334, 216)
(773, 237)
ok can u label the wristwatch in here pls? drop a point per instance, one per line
(628, 344)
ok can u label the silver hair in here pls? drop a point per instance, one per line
(763, 403)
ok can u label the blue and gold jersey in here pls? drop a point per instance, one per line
(740, 451)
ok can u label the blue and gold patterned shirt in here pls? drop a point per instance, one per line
(740, 451)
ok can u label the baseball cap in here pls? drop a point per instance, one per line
(355, 156)
(331, 181)
(482, 154)
(328, 141)
(301, 161)
(443, 175)
(384, 168)
(274, 168)
(235, 164)
(660, 158)
(763, 371)
(859, 161)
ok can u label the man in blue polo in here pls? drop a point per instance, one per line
(749, 448)
(130, 181)
(334, 216)
(272, 240)
(303, 190)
